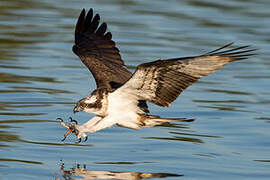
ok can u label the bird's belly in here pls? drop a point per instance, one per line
(122, 102)
(123, 109)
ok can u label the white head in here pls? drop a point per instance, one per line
(95, 103)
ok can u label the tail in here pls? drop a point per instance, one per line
(151, 120)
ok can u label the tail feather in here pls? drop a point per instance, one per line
(151, 120)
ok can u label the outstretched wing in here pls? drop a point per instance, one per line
(162, 81)
(98, 52)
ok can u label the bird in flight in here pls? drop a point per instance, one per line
(120, 97)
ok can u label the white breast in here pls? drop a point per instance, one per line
(122, 107)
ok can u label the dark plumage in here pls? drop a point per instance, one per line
(97, 51)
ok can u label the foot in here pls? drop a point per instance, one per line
(73, 127)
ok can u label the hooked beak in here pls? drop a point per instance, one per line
(76, 109)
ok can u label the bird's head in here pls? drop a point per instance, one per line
(93, 104)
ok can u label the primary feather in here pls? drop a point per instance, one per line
(98, 52)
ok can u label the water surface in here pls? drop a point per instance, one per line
(41, 79)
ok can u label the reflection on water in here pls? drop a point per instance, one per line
(84, 174)
(40, 79)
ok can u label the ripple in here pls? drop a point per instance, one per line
(229, 92)
(177, 138)
(40, 79)
(19, 160)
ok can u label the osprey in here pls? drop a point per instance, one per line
(120, 97)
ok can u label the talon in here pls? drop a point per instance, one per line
(61, 120)
(64, 139)
(86, 138)
(79, 140)
(73, 120)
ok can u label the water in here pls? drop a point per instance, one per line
(41, 79)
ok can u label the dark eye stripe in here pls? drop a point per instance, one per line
(96, 104)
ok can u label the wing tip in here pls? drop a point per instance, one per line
(102, 29)
(91, 24)
(79, 25)
(238, 53)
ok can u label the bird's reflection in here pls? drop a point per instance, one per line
(82, 173)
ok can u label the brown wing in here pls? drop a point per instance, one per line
(162, 81)
(98, 52)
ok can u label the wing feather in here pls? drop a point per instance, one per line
(162, 81)
(98, 51)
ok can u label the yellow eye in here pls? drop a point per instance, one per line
(83, 105)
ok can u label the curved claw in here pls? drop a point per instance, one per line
(61, 120)
(73, 120)
(76, 122)
(64, 138)
(79, 140)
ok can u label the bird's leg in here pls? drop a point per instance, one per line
(71, 128)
